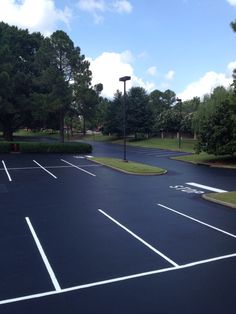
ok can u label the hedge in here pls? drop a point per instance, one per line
(5, 147)
(33, 147)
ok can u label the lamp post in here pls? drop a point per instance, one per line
(180, 110)
(124, 79)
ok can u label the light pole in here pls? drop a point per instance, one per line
(124, 79)
(180, 110)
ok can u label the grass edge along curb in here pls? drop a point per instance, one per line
(209, 198)
(210, 161)
(103, 161)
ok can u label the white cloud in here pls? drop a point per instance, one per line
(231, 67)
(207, 83)
(40, 15)
(170, 75)
(122, 6)
(152, 71)
(109, 67)
(232, 2)
(99, 7)
(92, 5)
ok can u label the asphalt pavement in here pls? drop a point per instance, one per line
(78, 237)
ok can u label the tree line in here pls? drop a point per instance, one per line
(212, 120)
(45, 82)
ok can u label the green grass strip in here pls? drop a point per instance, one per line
(227, 198)
(129, 167)
(211, 160)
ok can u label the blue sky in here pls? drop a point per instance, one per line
(184, 45)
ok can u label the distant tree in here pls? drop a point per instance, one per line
(113, 123)
(160, 102)
(139, 114)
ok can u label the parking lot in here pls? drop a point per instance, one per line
(77, 237)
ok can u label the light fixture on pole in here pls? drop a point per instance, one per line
(124, 79)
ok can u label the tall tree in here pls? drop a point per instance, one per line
(63, 70)
(139, 114)
(17, 53)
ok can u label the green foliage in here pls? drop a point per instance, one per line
(113, 123)
(5, 147)
(217, 124)
(17, 52)
(139, 114)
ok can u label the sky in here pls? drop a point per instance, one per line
(187, 46)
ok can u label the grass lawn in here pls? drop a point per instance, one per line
(228, 197)
(187, 145)
(98, 137)
(39, 133)
(204, 158)
(129, 167)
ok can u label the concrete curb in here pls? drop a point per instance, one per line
(208, 198)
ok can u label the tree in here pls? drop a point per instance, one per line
(17, 71)
(113, 123)
(217, 124)
(139, 114)
(160, 102)
(63, 70)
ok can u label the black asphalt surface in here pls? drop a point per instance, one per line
(114, 243)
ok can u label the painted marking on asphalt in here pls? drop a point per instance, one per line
(118, 279)
(43, 255)
(5, 168)
(206, 187)
(91, 174)
(199, 221)
(45, 169)
(140, 239)
(185, 189)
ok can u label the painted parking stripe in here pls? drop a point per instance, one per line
(140, 239)
(91, 174)
(45, 169)
(43, 255)
(118, 279)
(198, 221)
(5, 168)
(205, 187)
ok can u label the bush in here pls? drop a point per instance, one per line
(5, 147)
(70, 148)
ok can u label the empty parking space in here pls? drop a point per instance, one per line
(73, 228)
(40, 167)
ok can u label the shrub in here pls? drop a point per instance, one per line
(5, 147)
(71, 148)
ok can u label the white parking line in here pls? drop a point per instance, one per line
(5, 168)
(91, 174)
(45, 169)
(43, 255)
(199, 221)
(206, 187)
(140, 239)
(119, 279)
